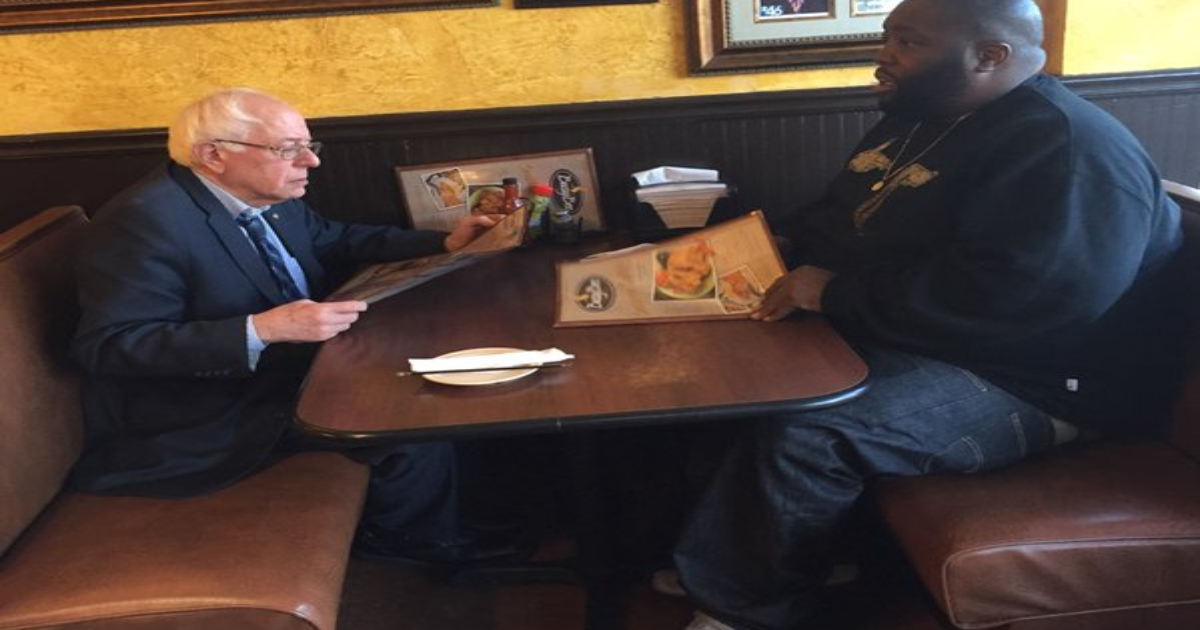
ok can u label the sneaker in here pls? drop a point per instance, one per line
(701, 621)
(666, 581)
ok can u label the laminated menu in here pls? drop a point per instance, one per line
(719, 272)
(381, 280)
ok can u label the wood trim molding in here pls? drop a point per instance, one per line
(430, 124)
(757, 140)
(1136, 85)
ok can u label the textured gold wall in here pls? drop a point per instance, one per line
(380, 63)
(1104, 36)
(454, 60)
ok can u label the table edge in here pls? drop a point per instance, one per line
(585, 423)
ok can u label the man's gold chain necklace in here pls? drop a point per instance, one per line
(892, 165)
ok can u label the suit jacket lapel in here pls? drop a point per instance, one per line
(229, 235)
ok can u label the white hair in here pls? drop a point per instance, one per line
(221, 115)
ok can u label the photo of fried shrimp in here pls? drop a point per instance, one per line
(684, 273)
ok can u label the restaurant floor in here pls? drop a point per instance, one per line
(528, 481)
(381, 596)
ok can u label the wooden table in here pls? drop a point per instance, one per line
(622, 376)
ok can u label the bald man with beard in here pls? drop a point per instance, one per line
(995, 248)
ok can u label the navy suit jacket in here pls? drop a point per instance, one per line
(166, 281)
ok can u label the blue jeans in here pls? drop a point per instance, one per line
(756, 547)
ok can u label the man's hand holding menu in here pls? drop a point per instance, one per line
(472, 240)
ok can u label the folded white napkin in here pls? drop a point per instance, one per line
(665, 174)
(498, 361)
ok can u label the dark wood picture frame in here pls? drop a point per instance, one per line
(55, 15)
(554, 4)
(714, 49)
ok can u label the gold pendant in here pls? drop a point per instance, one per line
(876, 186)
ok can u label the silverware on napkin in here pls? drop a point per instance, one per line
(529, 366)
(470, 361)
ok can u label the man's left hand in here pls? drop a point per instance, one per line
(469, 228)
(801, 288)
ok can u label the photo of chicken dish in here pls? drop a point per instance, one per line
(685, 272)
(487, 199)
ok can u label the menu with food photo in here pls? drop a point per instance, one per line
(381, 280)
(719, 272)
(436, 196)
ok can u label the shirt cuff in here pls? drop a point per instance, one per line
(254, 345)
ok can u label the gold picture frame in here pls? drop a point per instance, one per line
(764, 35)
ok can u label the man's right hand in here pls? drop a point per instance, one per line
(305, 320)
(800, 288)
(469, 228)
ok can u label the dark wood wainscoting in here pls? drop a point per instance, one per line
(779, 148)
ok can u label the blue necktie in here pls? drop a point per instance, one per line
(270, 255)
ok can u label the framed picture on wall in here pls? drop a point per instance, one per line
(436, 196)
(549, 4)
(44, 15)
(762, 35)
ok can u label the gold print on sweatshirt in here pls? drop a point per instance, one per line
(911, 176)
(872, 159)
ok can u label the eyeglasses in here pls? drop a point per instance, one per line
(288, 152)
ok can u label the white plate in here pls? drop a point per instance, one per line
(483, 377)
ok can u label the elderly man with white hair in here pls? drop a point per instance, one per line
(201, 289)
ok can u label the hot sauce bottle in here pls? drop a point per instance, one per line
(513, 200)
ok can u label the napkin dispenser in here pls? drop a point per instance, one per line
(671, 201)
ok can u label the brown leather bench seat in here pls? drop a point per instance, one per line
(269, 552)
(1099, 535)
(1093, 530)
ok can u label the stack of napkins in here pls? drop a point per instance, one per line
(673, 174)
(682, 197)
(498, 361)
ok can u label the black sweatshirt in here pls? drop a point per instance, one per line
(1028, 244)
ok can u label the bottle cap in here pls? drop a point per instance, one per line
(508, 180)
(543, 190)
